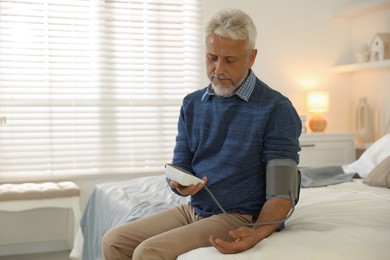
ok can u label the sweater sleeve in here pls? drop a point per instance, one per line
(182, 155)
(282, 133)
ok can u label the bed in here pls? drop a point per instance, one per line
(345, 218)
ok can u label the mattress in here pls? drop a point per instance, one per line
(350, 220)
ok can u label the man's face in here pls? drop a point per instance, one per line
(228, 63)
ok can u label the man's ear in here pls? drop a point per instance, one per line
(252, 58)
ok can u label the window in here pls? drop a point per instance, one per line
(92, 86)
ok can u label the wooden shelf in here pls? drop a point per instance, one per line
(356, 10)
(362, 8)
(362, 66)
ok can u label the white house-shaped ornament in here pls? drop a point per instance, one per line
(380, 47)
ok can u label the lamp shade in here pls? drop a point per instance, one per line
(317, 101)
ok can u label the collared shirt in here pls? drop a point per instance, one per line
(244, 92)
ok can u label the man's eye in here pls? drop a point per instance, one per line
(230, 60)
(213, 58)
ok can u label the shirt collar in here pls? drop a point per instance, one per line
(244, 92)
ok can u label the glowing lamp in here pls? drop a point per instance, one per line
(317, 103)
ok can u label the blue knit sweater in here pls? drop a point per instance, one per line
(230, 140)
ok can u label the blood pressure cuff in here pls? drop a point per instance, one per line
(283, 179)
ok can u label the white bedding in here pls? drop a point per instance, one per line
(112, 204)
(344, 221)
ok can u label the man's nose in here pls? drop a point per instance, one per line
(219, 67)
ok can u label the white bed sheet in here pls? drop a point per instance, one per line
(343, 221)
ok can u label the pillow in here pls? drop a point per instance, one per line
(380, 175)
(371, 157)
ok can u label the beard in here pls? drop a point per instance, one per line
(221, 91)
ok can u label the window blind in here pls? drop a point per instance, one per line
(92, 86)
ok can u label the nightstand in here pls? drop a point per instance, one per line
(321, 149)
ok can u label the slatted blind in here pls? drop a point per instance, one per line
(93, 86)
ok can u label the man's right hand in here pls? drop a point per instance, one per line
(188, 190)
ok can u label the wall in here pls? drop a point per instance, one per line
(299, 42)
(373, 84)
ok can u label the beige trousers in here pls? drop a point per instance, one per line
(166, 235)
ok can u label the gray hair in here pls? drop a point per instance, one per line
(233, 24)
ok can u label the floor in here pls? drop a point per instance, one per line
(62, 255)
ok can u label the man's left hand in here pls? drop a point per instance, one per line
(244, 238)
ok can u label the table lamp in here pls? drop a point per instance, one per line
(317, 103)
